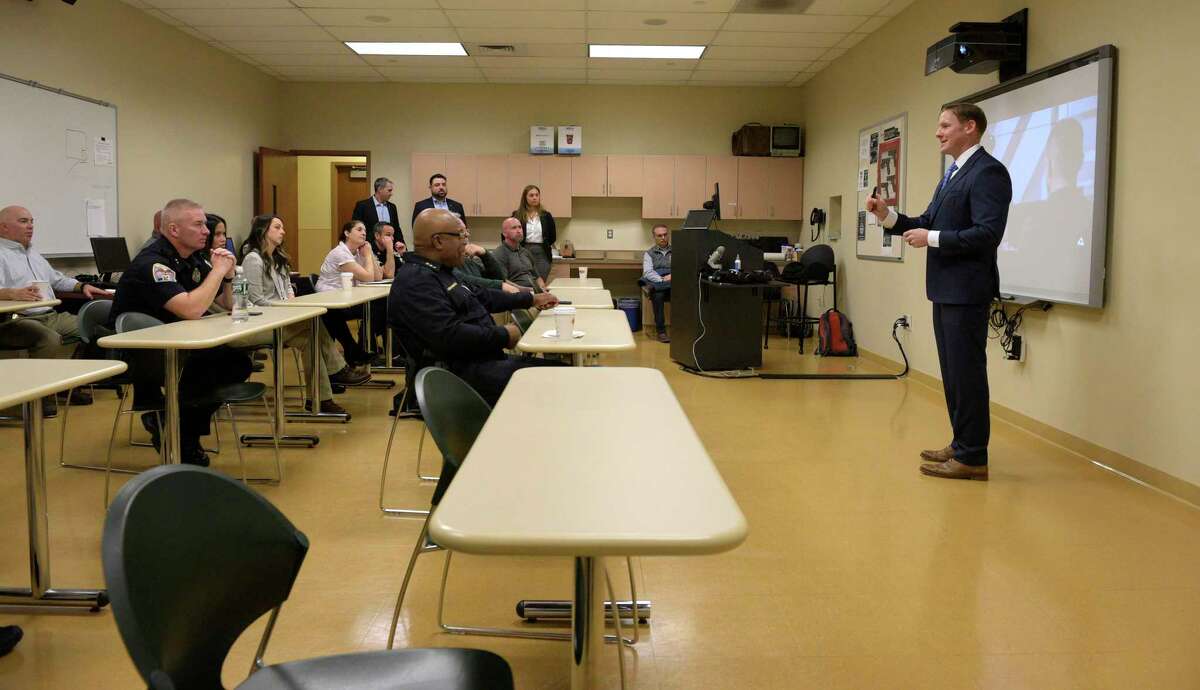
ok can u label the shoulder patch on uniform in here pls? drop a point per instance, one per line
(162, 274)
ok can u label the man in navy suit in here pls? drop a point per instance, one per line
(438, 189)
(962, 229)
(378, 208)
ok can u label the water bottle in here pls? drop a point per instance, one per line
(241, 296)
(737, 264)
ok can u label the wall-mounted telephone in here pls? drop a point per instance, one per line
(816, 219)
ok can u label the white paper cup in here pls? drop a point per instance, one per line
(564, 321)
(583, 272)
(347, 280)
(43, 289)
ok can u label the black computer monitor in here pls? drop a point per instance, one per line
(698, 219)
(714, 204)
(111, 254)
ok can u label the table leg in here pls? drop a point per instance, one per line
(277, 436)
(587, 622)
(170, 432)
(388, 356)
(312, 370)
(369, 337)
(40, 594)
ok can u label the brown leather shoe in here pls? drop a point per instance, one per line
(942, 455)
(953, 469)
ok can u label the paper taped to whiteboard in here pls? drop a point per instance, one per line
(77, 145)
(96, 223)
(104, 151)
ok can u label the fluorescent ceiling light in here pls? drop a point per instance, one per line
(379, 48)
(659, 52)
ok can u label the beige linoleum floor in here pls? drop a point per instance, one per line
(859, 573)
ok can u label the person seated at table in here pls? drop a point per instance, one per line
(267, 270)
(515, 258)
(480, 269)
(387, 248)
(656, 277)
(171, 282)
(352, 255)
(20, 267)
(440, 319)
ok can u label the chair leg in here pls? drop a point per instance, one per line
(112, 437)
(612, 598)
(412, 562)
(274, 442)
(236, 442)
(62, 438)
(387, 456)
(803, 318)
(420, 452)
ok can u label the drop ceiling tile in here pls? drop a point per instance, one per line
(217, 4)
(801, 78)
(652, 37)
(873, 24)
(817, 66)
(894, 8)
(322, 78)
(140, 4)
(329, 47)
(851, 40)
(195, 33)
(834, 53)
(792, 66)
(637, 82)
(760, 77)
(763, 53)
(308, 60)
(858, 7)
(430, 73)
(403, 18)
(529, 19)
(674, 21)
(578, 5)
(537, 50)
(418, 61)
(164, 17)
(531, 62)
(661, 5)
(241, 17)
(778, 39)
(799, 23)
(548, 80)
(533, 75)
(397, 34)
(366, 4)
(635, 63)
(530, 36)
(318, 72)
(637, 74)
(266, 33)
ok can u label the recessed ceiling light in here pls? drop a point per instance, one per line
(654, 21)
(652, 52)
(377, 19)
(380, 48)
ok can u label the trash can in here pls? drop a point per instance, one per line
(632, 306)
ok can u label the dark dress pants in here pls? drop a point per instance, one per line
(961, 334)
(202, 370)
(489, 376)
(660, 294)
(335, 322)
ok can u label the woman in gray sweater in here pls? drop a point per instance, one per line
(267, 271)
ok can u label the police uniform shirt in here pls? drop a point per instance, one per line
(154, 276)
(435, 312)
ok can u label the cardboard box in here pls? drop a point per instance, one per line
(541, 140)
(570, 140)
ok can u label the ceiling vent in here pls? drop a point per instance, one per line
(772, 6)
(494, 50)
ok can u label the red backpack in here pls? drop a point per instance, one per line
(835, 335)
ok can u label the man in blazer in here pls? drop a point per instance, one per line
(962, 229)
(438, 189)
(374, 208)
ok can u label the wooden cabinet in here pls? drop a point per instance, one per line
(752, 188)
(658, 192)
(556, 185)
(523, 170)
(723, 170)
(422, 166)
(690, 189)
(625, 176)
(493, 200)
(589, 176)
(462, 181)
(785, 194)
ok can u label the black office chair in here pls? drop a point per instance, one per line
(817, 266)
(186, 580)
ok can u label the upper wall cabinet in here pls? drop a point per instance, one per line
(672, 185)
(589, 176)
(785, 194)
(551, 174)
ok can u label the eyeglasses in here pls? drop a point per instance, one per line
(459, 235)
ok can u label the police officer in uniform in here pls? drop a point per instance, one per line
(439, 319)
(170, 281)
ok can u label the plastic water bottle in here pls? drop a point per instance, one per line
(737, 264)
(241, 296)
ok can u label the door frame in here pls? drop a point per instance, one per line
(333, 183)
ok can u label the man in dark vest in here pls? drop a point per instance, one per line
(656, 277)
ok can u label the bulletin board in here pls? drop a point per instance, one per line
(882, 149)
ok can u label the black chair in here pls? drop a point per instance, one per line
(185, 580)
(816, 266)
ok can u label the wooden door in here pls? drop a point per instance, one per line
(462, 181)
(422, 165)
(658, 193)
(493, 199)
(786, 188)
(589, 176)
(722, 170)
(690, 190)
(752, 188)
(523, 169)
(556, 185)
(347, 191)
(277, 181)
(625, 176)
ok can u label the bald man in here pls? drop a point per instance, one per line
(515, 259)
(439, 319)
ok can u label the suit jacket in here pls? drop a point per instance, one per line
(365, 211)
(427, 202)
(549, 232)
(970, 214)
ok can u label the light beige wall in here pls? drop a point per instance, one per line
(1123, 377)
(315, 189)
(188, 116)
(480, 118)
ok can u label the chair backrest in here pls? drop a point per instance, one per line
(818, 262)
(191, 558)
(522, 318)
(304, 284)
(92, 319)
(135, 321)
(454, 414)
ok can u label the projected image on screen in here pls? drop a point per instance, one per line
(1047, 133)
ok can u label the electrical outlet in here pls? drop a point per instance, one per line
(1018, 350)
(610, 233)
(905, 321)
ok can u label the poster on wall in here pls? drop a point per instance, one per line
(881, 167)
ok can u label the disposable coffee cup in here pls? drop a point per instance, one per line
(43, 289)
(347, 281)
(564, 322)
(583, 272)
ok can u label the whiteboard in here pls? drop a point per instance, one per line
(882, 152)
(61, 163)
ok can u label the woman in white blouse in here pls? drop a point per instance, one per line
(352, 255)
(267, 270)
(540, 232)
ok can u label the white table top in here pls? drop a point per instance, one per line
(22, 380)
(616, 469)
(584, 298)
(584, 283)
(211, 331)
(605, 330)
(8, 306)
(337, 299)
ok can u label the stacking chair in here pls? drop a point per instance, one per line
(817, 267)
(186, 580)
(522, 318)
(411, 367)
(455, 414)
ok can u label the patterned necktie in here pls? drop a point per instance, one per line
(946, 178)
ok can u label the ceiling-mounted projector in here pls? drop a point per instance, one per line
(982, 47)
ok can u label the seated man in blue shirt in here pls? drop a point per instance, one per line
(656, 277)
